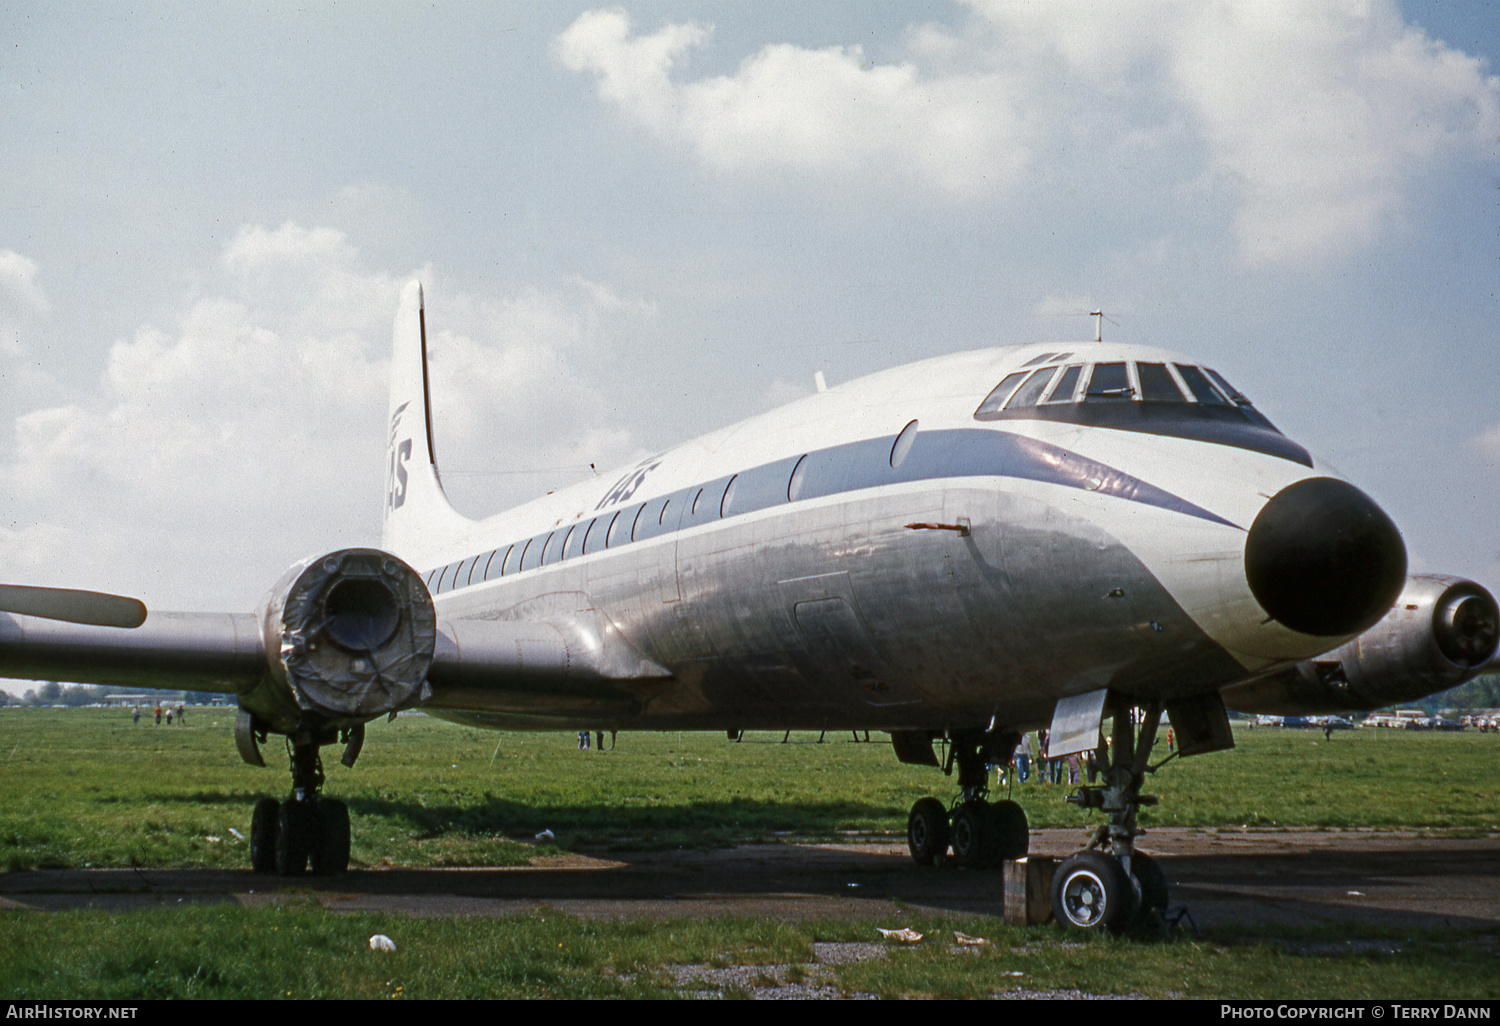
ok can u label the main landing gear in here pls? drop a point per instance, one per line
(982, 834)
(1110, 885)
(307, 829)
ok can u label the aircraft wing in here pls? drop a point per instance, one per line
(342, 639)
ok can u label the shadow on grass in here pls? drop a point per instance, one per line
(618, 827)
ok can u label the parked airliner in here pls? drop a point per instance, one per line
(954, 551)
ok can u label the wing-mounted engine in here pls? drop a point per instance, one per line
(348, 636)
(1441, 632)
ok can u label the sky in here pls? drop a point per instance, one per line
(637, 224)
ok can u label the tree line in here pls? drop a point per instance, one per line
(52, 693)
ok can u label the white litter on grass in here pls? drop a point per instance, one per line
(546, 835)
(211, 839)
(380, 942)
(237, 835)
(1356, 894)
(906, 935)
(965, 939)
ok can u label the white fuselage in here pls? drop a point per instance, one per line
(770, 566)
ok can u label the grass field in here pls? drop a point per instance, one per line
(83, 787)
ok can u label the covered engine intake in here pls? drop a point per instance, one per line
(349, 636)
(1440, 632)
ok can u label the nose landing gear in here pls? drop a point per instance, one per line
(1111, 886)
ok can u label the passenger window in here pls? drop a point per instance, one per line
(799, 476)
(496, 562)
(1066, 385)
(573, 543)
(1029, 393)
(552, 551)
(512, 559)
(1001, 392)
(1157, 385)
(1202, 389)
(724, 503)
(531, 555)
(461, 579)
(902, 446)
(696, 500)
(652, 519)
(619, 530)
(598, 532)
(1108, 383)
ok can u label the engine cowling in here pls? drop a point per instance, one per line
(348, 636)
(1441, 632)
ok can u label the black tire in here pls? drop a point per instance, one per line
(1150, 886)
(297, 837)
(331, 856)
(264, 829)
(1091, 892)
(927, 831)
(973, 836)
(1012, 837)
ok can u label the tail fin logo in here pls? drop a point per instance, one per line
(395, 484)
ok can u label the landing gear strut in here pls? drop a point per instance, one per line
(983, 834)
(307, 829)
(1110, 885)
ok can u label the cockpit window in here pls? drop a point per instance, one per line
(1157, 384)
(1038, 359)
(1235, 396)
(1108, 382)
(1030, 392)
(1066, 385)
(1246, 407)
(996, 399)
(1202, 389)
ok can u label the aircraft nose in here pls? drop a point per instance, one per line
(1323, 559)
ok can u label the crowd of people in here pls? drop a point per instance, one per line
(1031, 761)
(180, 713)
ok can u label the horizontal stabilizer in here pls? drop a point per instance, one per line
(96, 608)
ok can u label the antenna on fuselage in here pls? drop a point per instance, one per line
(1098, 325)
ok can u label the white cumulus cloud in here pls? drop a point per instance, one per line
(217, 450)
(18, 281)
(828, 110)
(1316, 115)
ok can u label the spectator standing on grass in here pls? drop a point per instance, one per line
(181, 715)
(1023, 758)
(135, 719)
(169, 717)
(158, 714)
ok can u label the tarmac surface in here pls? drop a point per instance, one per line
(1223, 877)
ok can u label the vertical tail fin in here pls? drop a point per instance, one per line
(418, 516)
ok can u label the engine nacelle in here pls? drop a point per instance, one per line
(1441, 632)
(348, 636)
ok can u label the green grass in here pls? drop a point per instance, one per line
(298, 950)
(83, 787)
